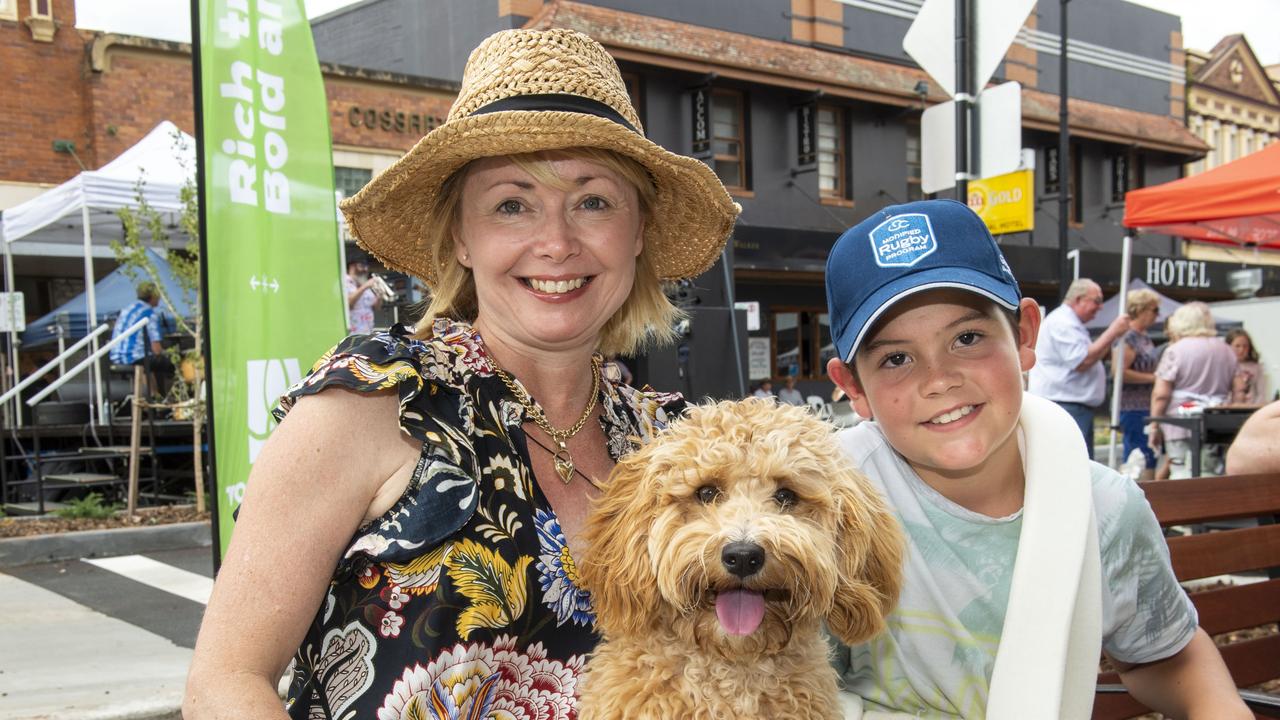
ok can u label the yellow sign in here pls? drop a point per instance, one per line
(1005, 202)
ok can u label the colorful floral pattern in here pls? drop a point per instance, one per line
(469, 571)
(558, 576)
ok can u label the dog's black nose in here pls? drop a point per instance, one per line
(743, 559)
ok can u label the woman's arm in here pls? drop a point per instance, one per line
(1160, 395)
(310, 489)
(1131, 376)
(1193, 683)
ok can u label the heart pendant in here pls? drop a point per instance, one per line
(564, 466)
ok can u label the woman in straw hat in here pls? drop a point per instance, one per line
(409, 536)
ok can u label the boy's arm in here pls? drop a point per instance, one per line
(1192, 683)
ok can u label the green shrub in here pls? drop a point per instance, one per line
(89, 506)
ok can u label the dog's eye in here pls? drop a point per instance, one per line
(707, 494)
(784, 497)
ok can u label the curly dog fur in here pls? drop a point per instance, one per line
(831, 553)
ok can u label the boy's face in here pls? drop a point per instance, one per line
(942, 374)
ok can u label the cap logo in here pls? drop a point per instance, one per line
(903, 240)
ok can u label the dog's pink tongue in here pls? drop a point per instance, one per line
(740, 611)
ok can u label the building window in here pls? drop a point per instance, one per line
(728, 139)
(8, 10)
(1128, 172)
(832, 169)
(349, 180)
(801, 343)
(914, 189)
(42, 9)
(1214, 137)
(1228, 143)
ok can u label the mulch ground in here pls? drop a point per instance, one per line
(163, 515)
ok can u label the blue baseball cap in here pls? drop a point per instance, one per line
(905, 249)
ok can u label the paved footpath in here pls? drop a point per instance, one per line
(100, 639)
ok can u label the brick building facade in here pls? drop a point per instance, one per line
(103, 92)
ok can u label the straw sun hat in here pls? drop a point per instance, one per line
(526, 91)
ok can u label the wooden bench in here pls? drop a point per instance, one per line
(1221, 551)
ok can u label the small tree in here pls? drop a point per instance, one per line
(145, 227)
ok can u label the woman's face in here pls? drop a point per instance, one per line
(551, 264)
(1145, 318)
(1240, 344)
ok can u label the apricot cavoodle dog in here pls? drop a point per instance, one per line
(717, 552)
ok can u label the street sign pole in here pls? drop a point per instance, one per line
(1064, 136)
(963, 97)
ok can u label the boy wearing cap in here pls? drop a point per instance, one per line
(1017, 542)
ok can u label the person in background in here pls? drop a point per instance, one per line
(1256, 448)
(1138, 366)
(789, 394)
(1068, 367)
(1246, 386)
(765, 389)
(1198, 367)
(361, 299)
(139, 351)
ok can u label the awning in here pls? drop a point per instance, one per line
(1237, 203)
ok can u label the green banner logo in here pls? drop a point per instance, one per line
(271, 249)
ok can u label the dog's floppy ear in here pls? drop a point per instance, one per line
(870, 543)
(618, 571)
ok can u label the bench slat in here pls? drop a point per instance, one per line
(1179, 502)
(1241, 606)
(1223, 552)
(1253, 661)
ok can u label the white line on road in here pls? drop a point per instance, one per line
(168, 578)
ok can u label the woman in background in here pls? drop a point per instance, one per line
(1138, 368)
(1199, 367)
(1246, 386)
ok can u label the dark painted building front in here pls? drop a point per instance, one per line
(809, 110)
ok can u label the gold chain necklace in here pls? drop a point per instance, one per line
(563, 460)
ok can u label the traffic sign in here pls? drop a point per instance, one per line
(930, 40)
(998, 114)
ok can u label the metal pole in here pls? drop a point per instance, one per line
(91, 298)
(733, 319)
(963, 97)
(1117, 352)
(197, 92)
(1064, 149)
(13, 335)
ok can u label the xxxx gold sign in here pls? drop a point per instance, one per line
(1004, 202)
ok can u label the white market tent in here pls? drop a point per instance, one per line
(82, 210)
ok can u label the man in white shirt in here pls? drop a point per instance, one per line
(1068, 367)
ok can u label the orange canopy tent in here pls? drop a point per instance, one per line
(1237, 203)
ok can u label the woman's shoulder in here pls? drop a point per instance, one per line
(428, 374)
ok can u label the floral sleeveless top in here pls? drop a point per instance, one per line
(461, 601)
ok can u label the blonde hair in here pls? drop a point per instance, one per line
(1135, 301)
(1192, 320)
(646, 317)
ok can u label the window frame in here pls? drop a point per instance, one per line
(841, 152)
(806, 314)
(739, 99)
(917, 180)
(9, 10)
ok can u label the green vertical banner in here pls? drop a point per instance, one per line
(272, 274)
